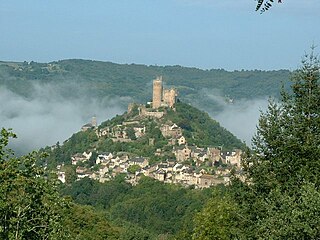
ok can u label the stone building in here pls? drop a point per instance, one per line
(171, 130)
(214, 154)
(169, 97)
(234, 158)
(92, 125)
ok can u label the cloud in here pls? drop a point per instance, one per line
(241, 117)
(48, 116)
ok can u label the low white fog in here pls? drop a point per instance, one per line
(239, 117)
(47, 117)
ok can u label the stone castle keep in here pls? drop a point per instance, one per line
(162, 97)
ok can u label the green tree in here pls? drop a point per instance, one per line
(220, 219)
(131, 133)
(133, 168)
(71, 174)
(283, 168)
(288, 216)
(86, 223)
(30, 207)
(286, 147)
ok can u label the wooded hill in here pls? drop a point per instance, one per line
(197, 127)
(100, 79)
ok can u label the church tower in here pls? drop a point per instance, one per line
(157, 92)
(94, 121)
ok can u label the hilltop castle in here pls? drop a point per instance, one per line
(162, 97)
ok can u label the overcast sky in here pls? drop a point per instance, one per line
(207, 34)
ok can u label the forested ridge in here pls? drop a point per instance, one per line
(100, 79)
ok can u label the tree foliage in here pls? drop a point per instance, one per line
(156, 207)
(200, 129)
(284, 166)
(219, 219)
(86, 223)
(30, 207)
(286, 146)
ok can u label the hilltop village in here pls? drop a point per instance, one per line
(179, 162)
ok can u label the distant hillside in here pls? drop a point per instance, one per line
(100, 79)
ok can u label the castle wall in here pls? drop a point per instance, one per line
(169, 97)
(144, 112)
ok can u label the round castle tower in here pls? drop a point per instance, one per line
(157, 92)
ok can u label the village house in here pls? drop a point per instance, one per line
(234, 158)
(195, 151)
(126, 123)
(104, 132)
(91, 125)
(178, 167)
(116, 171)
(158, 152)
(205, 181)
(214, 154)
(181, 140)
(80, 157)
(103, 170)
(87, 155)
(182, 153)
(94, 175)
(124, 166)
(139, 131)
(171, 130)
(147, 171)
(82, 172)
(104, 157)
(160, 175)
(140, 161)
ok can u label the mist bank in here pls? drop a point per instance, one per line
(46, 116)
(239, 116)
(53, 112)
(242, 118)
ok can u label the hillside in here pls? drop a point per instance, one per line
(100, 79)
(131, 168)
(196, 126)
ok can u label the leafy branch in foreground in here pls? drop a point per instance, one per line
(264, 5)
